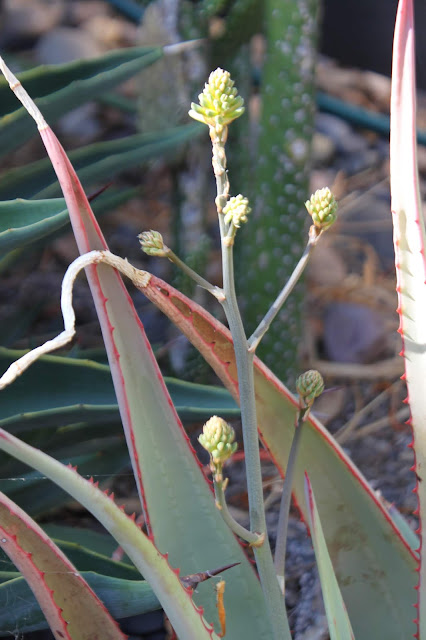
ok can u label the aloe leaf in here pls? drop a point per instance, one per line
(122, 598)
(25, 221)
(171, 484)
(186, 619)
(373, 562)
(31, 493)
(84, 392)
(60, 89)
(22, 221)
(84, 559)
(94, 162)
(70, 606)
(337, 616)
(409, 244)
(101, 543)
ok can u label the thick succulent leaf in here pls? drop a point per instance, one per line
(25, 221)
(22, 221)
(177, 602)
(171, 483)
(94, 163)
(20, 612)
(84, 392)
(71, 608)
(337, 616)
(59, 89)
(409, 244)
(35, 497)
(373, 562)
(85, 559)
(101, 543)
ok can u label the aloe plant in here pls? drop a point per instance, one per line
(374, 564)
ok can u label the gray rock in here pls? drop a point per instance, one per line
(62, 45)
(353, 333)
(29, 19)
(323, 150)
(341, 133)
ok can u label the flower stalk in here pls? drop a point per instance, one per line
(218, 129)
(309, 386)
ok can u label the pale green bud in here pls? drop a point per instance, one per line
(152, 243)
(218, 439)
(236, 210)
(220, 103)
(309, 386)
(322, 207)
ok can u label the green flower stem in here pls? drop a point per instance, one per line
(265, 566)
(215, 291)
(244, 359)
(252, 538)
(219, 167)
(265, 323)
(281, 545)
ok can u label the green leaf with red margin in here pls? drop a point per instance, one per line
(186, 618)
(72, 609)
(337, 616)
(176, 498)
(409, 244)
(61, 88)
(20, 611)
(373, 562)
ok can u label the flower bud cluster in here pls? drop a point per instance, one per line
(236, 210)
(309, 386)
(220, 103)
(218, 439)
(152, 243)
(322, 206)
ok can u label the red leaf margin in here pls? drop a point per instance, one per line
(63, 595)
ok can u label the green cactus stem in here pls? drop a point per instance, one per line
(270, 247)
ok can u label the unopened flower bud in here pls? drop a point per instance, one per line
(220, 103)
(218, 439)
(309, 386)
(322, 207)
(236, 210)
(152, 243)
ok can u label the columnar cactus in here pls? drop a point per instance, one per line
(279, 184)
